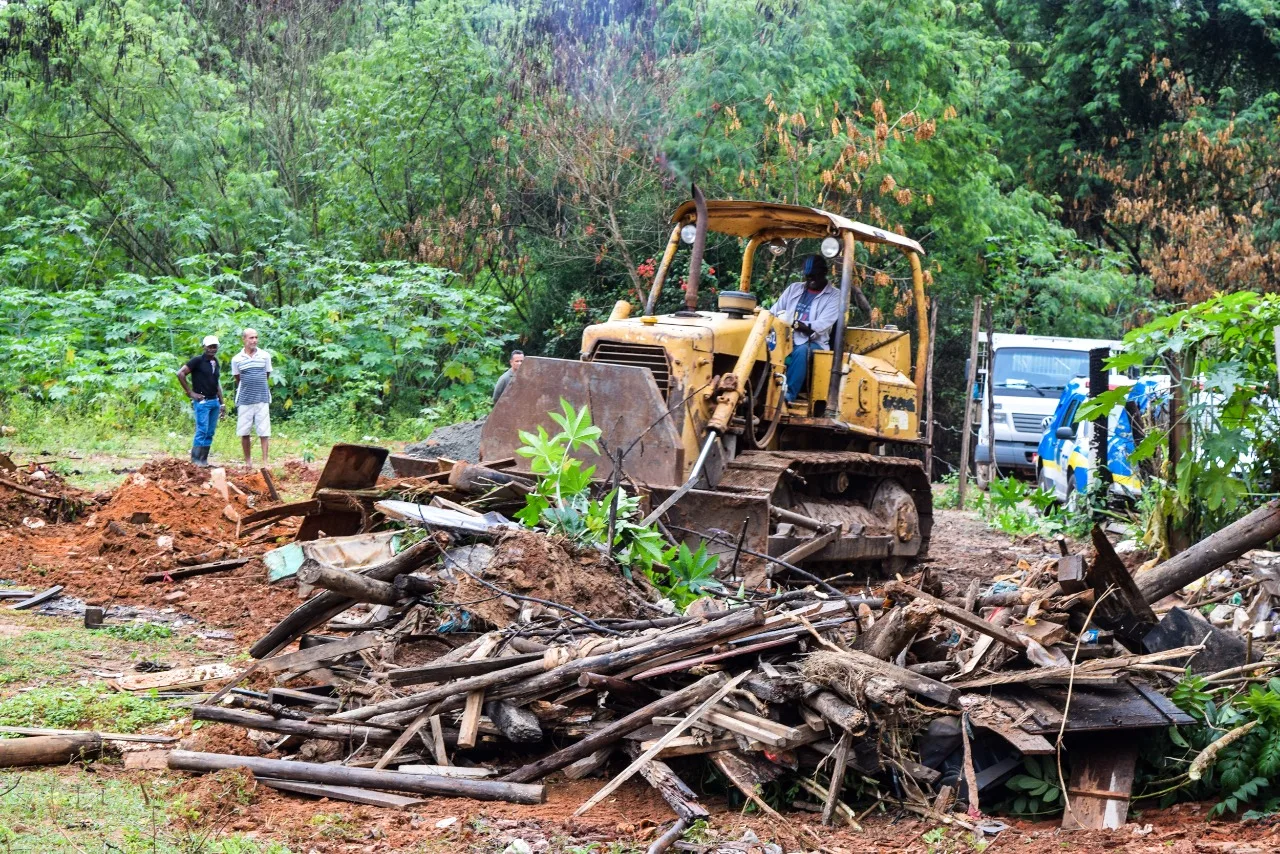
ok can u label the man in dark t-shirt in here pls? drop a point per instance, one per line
(205, 391)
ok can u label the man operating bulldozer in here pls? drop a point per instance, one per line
(811, 307)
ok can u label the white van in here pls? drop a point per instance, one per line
(1027, 375)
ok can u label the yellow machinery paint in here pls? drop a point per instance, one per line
(712, 397)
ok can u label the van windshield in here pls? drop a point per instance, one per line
(1037, 369)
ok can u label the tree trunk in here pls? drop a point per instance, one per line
(1251, 532)
(49, 749)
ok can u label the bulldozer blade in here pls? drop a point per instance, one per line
(624, 402)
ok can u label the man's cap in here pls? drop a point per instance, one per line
(210, 340)
(815, 265)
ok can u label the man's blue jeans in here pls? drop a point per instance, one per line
(797, 370)
(206, 421)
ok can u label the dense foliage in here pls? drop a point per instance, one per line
(314, 167)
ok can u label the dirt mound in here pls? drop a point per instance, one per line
(152, 524)
(300, 472)
(64, 502)
(459, 441)
(535, 565)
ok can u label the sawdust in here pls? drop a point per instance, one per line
(535, 565)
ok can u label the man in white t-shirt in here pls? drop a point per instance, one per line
(251, 368)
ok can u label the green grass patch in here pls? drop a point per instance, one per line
(49, 653)
(49, 811)
(92, 706)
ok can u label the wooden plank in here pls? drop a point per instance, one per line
(310, 772)
(105, 736)
(270, 481)
(742, 728)
(474, 705)
(350, 794)
(16, 594)
(179, 677)
(1101, 783)
(644, 758)
(218, 478)
(690, 745)
(297, 508)
(455, 670)
(437, 740)
(38, 599)
(189, 571)
(308, 659)
(447, 771)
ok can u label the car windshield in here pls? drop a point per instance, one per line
(1037, 368)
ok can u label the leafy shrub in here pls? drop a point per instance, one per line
(366, 339)
(1037, 790)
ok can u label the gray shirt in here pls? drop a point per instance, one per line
(501, 385)
(822, 314)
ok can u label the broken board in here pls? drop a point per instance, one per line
(179, 677)
(348, 467)
(1101, 783)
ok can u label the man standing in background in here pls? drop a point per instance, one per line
(205, 392)
(251, 368)
(500, 386)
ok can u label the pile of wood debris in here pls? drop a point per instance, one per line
(429, 661)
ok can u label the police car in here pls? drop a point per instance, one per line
(1066, 453)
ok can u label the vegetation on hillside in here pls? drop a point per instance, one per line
(393, 192)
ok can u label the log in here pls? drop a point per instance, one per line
(310, 507)
(105, 736)
(958, 615)
(288, 726)
(517, 725)
(421, 784)
(865, 665)
(415, 585)
(49, 749)
(895, 631)
(726, 626)
(200, 569)
(681, 699)
(26, 490)
(349, 584)
(1250, 532)
(320, 609)
(835, 709)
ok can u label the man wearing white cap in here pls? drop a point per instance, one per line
(205, 392)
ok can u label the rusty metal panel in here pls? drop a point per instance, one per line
(348, 467)
(721, 515)
(625, 404)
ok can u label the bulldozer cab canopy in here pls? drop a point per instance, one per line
(769, 221)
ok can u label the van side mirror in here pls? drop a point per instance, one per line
(1064, 432)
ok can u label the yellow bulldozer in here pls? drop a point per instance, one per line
(694, 405)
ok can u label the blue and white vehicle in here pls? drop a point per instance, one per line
(1066, 452)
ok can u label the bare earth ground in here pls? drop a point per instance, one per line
(229, 813)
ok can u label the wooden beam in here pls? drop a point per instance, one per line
(308, 659)
(423, 784)
(190, 571)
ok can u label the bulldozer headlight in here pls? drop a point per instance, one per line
(777, 247)
(689, 233)
(830, 247)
